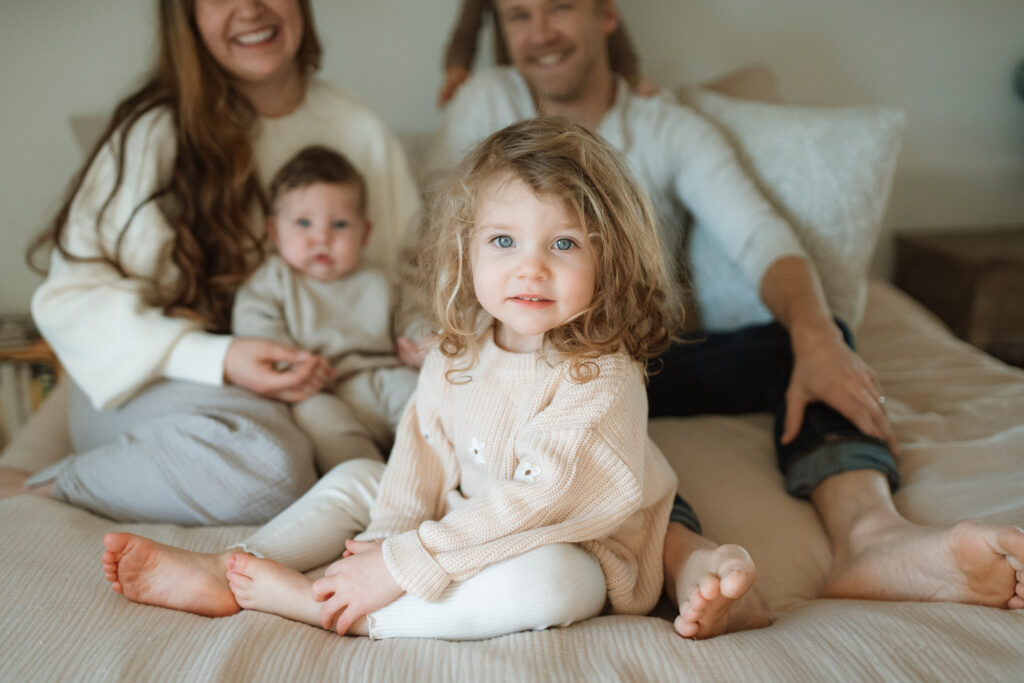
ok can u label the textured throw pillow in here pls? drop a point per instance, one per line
(828, 171)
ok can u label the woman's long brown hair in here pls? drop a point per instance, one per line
(214, 187)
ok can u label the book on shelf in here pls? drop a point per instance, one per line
(23, 387)
(28, 371)
(17, 331)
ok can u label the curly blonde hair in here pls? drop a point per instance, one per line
(636, 307)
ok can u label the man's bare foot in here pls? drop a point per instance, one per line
(715, 586)
(268, 586)
(968, 563)
(711, 584)
(152, 573)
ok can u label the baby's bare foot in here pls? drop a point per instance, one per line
(268, 586)
(968, 563)
(152, 573)
(716, 596)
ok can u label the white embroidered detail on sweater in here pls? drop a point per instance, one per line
(476, 451)
(526, 471)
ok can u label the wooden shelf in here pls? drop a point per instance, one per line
(35, 352)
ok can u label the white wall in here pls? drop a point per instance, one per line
(947, 62)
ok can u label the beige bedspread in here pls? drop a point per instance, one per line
(959, 414)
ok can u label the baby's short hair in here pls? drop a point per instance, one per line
(317, 164)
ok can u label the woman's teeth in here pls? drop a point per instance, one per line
(256, 37)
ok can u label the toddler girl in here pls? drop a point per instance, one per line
(523, 491)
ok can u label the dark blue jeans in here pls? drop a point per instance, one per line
(748, 371)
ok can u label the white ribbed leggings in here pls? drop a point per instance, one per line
(553, 585)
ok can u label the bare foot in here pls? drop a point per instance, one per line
(12, 482)
(152, 573)
(968, 563)
(268, 586)
(716, 585)
(711, 584)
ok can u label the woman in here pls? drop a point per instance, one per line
(158, 231)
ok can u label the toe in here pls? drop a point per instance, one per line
(687, 629)
(710, 586)
(237, 562)
(115, 542)
(737, 582)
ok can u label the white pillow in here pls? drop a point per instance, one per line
(828, 171)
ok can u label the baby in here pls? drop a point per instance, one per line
(315, 294)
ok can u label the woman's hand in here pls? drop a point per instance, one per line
(275, 370)
(355, 586)
(645, 87)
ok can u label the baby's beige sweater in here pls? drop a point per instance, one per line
(347, 320)
(518, 457)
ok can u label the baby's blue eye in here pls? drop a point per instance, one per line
(503, 241)
(338, 225)
(564, 244)
(303, 222)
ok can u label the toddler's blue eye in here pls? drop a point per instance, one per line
(303, 222)
(564, 244)
(504, 241)
(338, 225)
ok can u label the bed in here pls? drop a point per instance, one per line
(958, 413)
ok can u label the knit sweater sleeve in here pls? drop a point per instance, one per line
(578, 478)
(258, 310)
(422, 468)
(103, 324)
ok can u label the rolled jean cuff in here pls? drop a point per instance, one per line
(684, 514)
(804, 473)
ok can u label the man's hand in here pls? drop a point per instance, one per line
(275, 370)
(354, 586)
(826, 369)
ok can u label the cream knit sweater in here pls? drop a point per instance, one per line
(518, 457)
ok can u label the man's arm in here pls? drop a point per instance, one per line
(824, 367)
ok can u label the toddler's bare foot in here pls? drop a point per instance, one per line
(716, 596)
(268, 586)
(152, 573)
(967, 563)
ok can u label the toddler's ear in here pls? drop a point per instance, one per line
(366, 233)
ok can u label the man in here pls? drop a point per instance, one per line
(840, 455)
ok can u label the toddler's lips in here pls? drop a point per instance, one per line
(531, 301)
